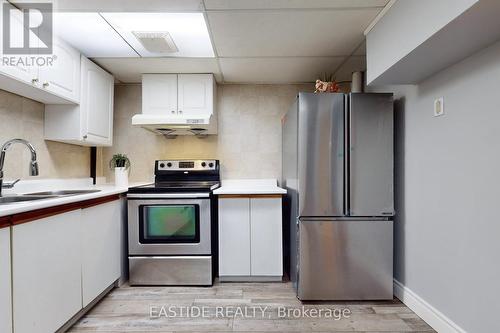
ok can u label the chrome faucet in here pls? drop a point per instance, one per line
(33, 164)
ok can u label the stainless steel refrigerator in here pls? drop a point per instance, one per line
(338, 172)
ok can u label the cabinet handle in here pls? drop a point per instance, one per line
(34, 81)
(85, 136)
(45, 84)
(173, 111)
(180, 111)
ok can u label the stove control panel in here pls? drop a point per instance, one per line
(186, 165)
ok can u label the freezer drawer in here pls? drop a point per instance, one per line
(345, 260)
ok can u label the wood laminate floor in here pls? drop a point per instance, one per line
(263, 307)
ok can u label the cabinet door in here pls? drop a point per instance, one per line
(20, 72)
(159, 94)
(97, 104)
(63, 77)
(266, 237)
(196, 94)
(46, 256)
(5, 282)
(234, 237)
(101, 256)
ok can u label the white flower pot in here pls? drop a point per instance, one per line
(121, 177)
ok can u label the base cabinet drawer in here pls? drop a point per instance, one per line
(46, 271)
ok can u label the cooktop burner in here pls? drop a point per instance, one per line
(183, 176)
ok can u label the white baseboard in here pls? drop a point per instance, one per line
(424, 310)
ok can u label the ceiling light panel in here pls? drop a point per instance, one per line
(187, 30)
(89, 33)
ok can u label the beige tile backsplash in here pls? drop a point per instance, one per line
(248, 141)
(23, 118)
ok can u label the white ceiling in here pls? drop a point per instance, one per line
(255, 41)
(130, 69)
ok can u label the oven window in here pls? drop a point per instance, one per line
(170, 224)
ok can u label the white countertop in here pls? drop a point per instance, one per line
(44, 185)
(249, 186)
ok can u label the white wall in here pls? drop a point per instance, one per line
(248, 142)
(447, 235)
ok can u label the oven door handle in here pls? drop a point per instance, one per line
(167, 195)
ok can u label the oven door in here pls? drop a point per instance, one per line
(169, 224)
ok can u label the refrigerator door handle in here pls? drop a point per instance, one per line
(347, 156)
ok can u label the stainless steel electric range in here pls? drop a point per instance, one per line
(170, 224)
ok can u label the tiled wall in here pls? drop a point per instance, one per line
(23, 118)
(248, 142)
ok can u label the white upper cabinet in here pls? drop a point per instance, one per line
(63, 77)
(97, 104)
(91, 122)
(178, 95)
(195, 94)
(159, 94)
(47, 78)
(26, 74)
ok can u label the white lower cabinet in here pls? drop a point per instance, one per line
(234, 237)
(101, 259)
(46, 257)
(5, 282)
(250, 238)
(60, 264)
(266, 237)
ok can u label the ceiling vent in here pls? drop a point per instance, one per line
(156, 42)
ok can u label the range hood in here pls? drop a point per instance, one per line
(178, 104)
(176, 125)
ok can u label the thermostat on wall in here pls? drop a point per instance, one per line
(438, 107)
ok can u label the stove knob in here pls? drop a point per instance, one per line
(169, 164)
(162, 165)
(210, 164)
(203, 164)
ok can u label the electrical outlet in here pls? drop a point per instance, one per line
(439, 107)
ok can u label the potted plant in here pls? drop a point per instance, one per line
(121, 164)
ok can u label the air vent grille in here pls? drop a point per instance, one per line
(156, 41)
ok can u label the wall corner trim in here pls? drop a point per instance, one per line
(424, 310)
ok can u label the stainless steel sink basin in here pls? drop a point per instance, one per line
(22, 198)
(64, 192)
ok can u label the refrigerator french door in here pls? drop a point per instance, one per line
(337, 168)
(370, 151)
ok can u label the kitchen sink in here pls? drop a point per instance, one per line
(64, 192)
(22, 198)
